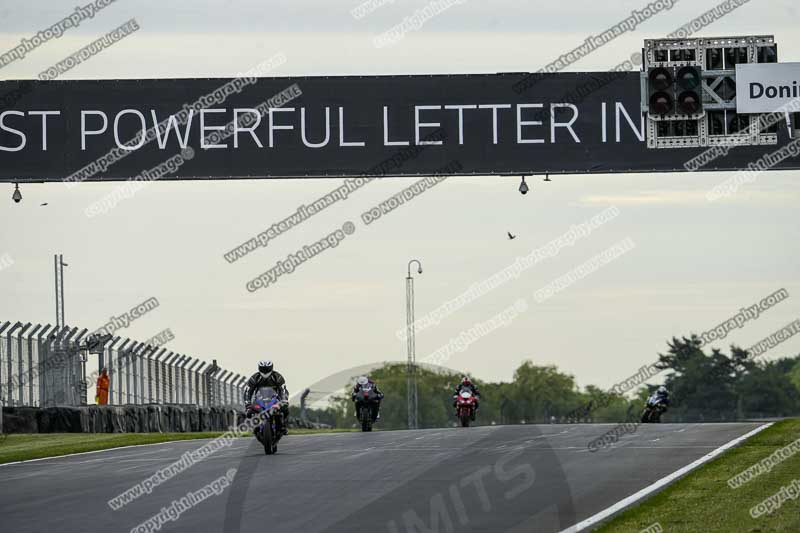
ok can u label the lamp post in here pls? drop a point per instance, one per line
(411, 370)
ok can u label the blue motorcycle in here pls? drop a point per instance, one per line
(267, 406)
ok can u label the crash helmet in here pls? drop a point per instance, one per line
(265, 367)
(362, 380)
(662, 390)
(465, 381)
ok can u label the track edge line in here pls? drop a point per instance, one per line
(666, 480)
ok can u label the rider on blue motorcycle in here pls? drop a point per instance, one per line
(267, 377)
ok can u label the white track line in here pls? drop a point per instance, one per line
(622, 504)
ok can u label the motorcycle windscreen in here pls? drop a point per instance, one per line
(265, 393)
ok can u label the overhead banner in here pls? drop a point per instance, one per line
(767, 87)
(334, 126)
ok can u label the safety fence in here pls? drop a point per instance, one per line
(43, 365)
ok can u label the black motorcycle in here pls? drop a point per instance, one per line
(653, 409)
(367, 402)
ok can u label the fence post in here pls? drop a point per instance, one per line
(227, 389)
(122, 363)
(189, 366)
(38, 368)
(184, 379)
(21, 364)
(5, 349)
(111, 364)
(128, 354)
(182, 369)
(242, 385)
(147, 386)
(220, 383)
(79, 367)
(44, 345)
(168, 390)
(3, 326)
(157, 375)
(29, 375)
(176, 379)
(143, 372)
(130, 373)
(140, 355)
(165, 377)
(199, 381)
(182, 372)
(61, 367)
(211, 397)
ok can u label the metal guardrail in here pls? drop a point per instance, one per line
(42, 365)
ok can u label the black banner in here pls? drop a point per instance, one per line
(334, 126)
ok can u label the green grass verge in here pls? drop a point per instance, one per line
(703, 501)
(21, 447)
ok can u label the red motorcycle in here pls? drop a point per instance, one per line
(465, 407)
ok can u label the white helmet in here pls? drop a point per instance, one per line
(662, 390)
(265, 367)
(362, 380)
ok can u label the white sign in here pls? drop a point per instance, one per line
(767, 87)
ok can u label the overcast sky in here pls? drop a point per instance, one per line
(694, 264)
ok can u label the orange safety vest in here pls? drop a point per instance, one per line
(102, 389)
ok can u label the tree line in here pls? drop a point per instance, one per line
(704, 387)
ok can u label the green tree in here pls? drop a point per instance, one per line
(767, 390)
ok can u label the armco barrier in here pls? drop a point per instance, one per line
(119, 419)
(126, 419)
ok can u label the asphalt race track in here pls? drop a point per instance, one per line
(509, 478)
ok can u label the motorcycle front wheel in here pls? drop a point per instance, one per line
(366, 419)
(266, 438)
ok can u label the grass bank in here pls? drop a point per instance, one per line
(704, 501)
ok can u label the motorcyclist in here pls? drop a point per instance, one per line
(267, 377)
(361, 383)
(467, 385)
(662, 397)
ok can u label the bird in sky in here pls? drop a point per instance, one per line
(44, 204)
(511, 237)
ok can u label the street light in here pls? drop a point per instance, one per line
(411, 370)
(17, 196)
(523, 187)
